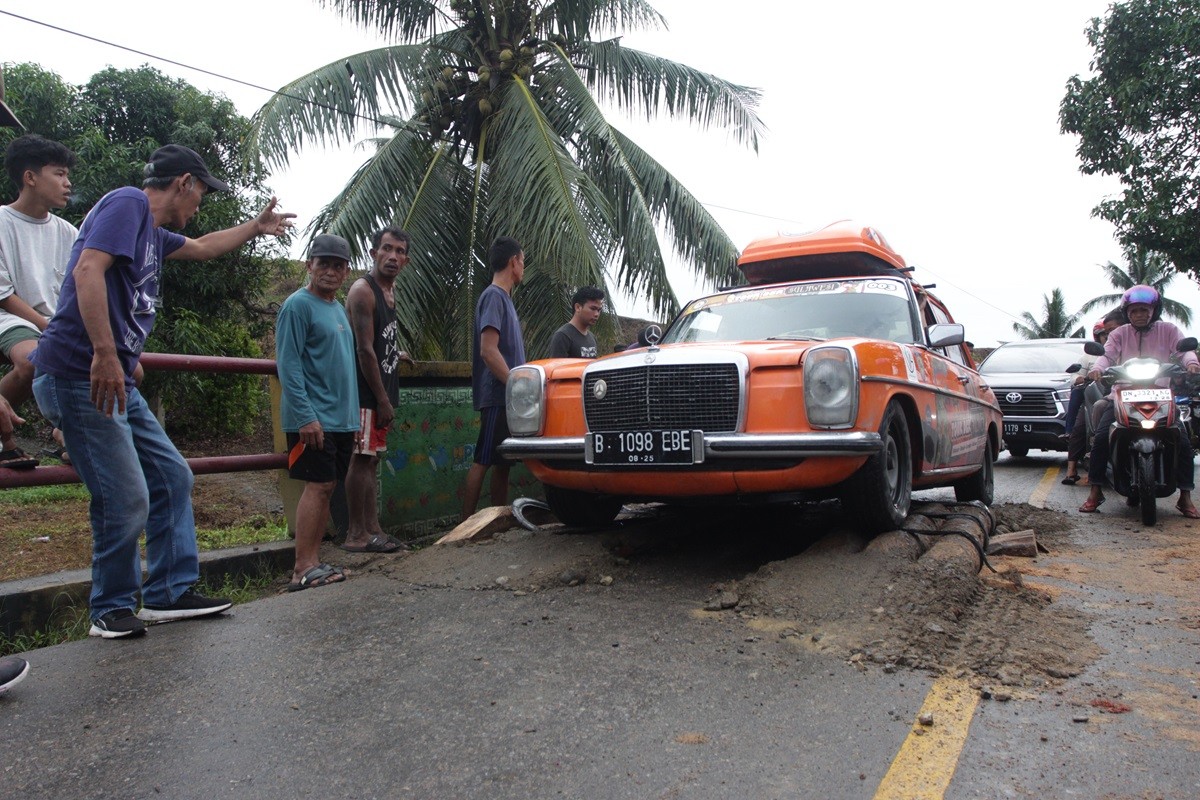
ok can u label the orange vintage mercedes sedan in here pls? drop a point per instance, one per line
(832, 374)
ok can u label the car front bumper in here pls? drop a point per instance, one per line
(712, 447)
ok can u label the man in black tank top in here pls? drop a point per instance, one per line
(371, 306)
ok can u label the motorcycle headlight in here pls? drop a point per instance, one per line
(1144, 371)
(831, 387)
(525, 400)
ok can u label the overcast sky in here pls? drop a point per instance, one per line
(935, 122)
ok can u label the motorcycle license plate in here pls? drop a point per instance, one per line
(1145, 395)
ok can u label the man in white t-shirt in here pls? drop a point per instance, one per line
(35, 246)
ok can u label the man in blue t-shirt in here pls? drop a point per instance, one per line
(314, 356)
(84, 385)
(498, 347)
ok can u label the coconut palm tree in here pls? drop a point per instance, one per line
(1056, 322)
(1146, 268)
(486, 121)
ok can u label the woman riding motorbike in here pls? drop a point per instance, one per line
(1144, 335)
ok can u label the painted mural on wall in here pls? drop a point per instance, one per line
(430, 448)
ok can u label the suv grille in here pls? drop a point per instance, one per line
(1033, 403)
(664, 397)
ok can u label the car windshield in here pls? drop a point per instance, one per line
(877, 308)
(1043, 357)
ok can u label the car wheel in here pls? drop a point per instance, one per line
(1018, 452)
(980, 486)
(879, 495)
(582, 509)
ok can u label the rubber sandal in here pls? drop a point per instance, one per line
(320, 575)
(17, 459)
(378, 544)
(1091, 507)
(1070, 480)
(1188, 511)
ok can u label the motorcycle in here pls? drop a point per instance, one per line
(1187, 402)
(1145, 436)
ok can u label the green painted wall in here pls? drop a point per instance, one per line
(430, 449)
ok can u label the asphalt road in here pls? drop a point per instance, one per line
(385, 688)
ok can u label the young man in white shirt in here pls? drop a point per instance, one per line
(35, 246)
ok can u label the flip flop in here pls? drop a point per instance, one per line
(378, 544)
(1188, 511)
(1091, 507)
(320, 575)
(17, 459)
(1070, 480)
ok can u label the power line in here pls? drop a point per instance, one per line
(201, 70)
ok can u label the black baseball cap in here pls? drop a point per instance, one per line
(173, 160)
(329, 245)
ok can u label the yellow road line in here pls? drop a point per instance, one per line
(925, 764)
(1042, 490)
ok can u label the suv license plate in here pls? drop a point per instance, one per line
(617, 448)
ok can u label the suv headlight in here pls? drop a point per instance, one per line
(525, 400)
(831, 387)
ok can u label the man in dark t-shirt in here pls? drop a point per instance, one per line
(84, 385)
(498, 347)
(371, 305)
(575, 339)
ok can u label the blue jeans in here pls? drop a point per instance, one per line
(138, 481)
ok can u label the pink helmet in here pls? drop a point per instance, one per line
(1143, 295)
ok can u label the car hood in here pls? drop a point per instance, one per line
(1029, 380)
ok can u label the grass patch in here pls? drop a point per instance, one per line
(258, 530)
(72, 622)
(41, 495)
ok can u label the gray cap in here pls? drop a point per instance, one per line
(327, 244)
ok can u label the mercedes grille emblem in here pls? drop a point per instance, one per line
(600, 389)
(1013, 397)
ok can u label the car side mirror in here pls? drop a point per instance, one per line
(1184, 345)
(945, 334)
(1095, 348)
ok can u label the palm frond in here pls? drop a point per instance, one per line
(648, 84)
(327, 105)
(580, 19)
(405, 20)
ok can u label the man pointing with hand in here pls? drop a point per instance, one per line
(85, 362)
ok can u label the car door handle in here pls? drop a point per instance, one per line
(964, 379)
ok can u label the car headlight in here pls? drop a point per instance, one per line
(525, 400)
(1062, 395)
(831, 387)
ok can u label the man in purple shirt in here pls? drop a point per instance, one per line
(1145, 335)
(85, 362)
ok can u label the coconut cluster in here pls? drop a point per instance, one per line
(460, 96)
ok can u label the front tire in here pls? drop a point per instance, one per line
(582, 509)
(982, 485)
(1018, 452)
(1146, 481)
(879, 495)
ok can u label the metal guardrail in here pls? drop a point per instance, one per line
(171, 362)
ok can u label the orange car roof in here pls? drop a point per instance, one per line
(840, 250)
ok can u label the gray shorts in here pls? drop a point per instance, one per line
(14, 336)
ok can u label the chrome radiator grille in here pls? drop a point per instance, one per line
(1033, 402)
(664, 397)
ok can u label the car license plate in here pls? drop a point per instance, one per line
(641, 447)
(1145, 395)
(1013, 428)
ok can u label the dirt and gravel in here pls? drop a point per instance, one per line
(814, 587)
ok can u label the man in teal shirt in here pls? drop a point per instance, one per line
(314, 356)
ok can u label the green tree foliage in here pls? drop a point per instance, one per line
(113, 123)
(1145, 269)
(1056, 323)
(489, 124)
(1138, 117)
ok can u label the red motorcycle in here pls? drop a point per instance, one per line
(1145, 436)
